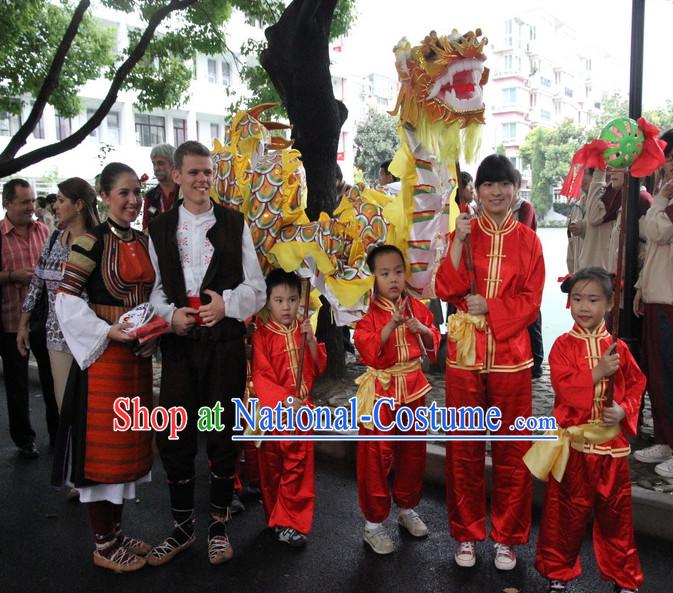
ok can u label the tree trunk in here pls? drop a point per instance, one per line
(297, 61)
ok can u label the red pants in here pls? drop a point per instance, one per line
(598, 485)
(286, 474)
(511, 496)
(375, 461)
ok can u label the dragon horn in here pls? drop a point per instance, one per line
(261, 108)
(275, 125)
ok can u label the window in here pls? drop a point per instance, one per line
(588, 64)
(214, 131)
(533, 33)
(508, 33)
(38, 131)
(63, 127)
(557, 78)
(113, 127)
(194, 70)
(212, 71)
(509, 96)
(587, 91)
(94, 134)
(179, 131)
(9, 123)
(508, 63)
(226, 73)
(509, 132)
(150, 129)
(545, 115)
(568, 92)
(545, 81)
(533, 100)
(557, 108)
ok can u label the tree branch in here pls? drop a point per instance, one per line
(49, 84)
(11, 166)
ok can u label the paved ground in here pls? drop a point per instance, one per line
(45, 544)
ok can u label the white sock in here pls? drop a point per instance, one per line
(371, 526)
(406, 512)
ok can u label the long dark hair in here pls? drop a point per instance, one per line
(75, 188)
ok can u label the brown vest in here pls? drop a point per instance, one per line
(225, 271)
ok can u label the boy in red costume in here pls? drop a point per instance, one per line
(391, 339)
(596, 479)
(489, 361)
(286, 467)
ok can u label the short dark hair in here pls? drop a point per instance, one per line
(110, 173)
(496, 167)
(384, 165)
(9, 189)
(465, 178)
(191, 147)
(382, 250)
(279, 277)
(75, 188)
(599, 275)
(667, 137)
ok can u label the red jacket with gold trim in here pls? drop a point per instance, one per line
(401, 346)
(509, 270)
(578, 400)
(275, 362)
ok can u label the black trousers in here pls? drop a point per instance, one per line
(198, 371)
(536, 343)
(15, 371)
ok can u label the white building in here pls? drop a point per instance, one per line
(127, 134)
(359, 94)
(542, 72)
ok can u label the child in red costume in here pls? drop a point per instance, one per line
(596, 479)
(391, 339)
(489, 361)
(286, 467)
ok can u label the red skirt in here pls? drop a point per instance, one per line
(112, 457)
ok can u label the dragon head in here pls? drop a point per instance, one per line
(442, 82)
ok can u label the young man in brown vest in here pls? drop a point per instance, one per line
(208, 281)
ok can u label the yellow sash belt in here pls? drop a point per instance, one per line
(366, 383)
(460, 329)
(551, 457)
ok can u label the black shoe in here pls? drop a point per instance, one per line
(290, 536)
(236, 505)
(29, 451)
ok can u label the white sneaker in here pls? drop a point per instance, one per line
(665, 468)
(413, 523)
(379, 540)
(465, 555)
(654, 454)
(505, 558)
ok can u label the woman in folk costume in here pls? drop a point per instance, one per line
(112, 265)
(392, 338)
(654, 302)
(489, 361)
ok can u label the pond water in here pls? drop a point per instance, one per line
(556, 318)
